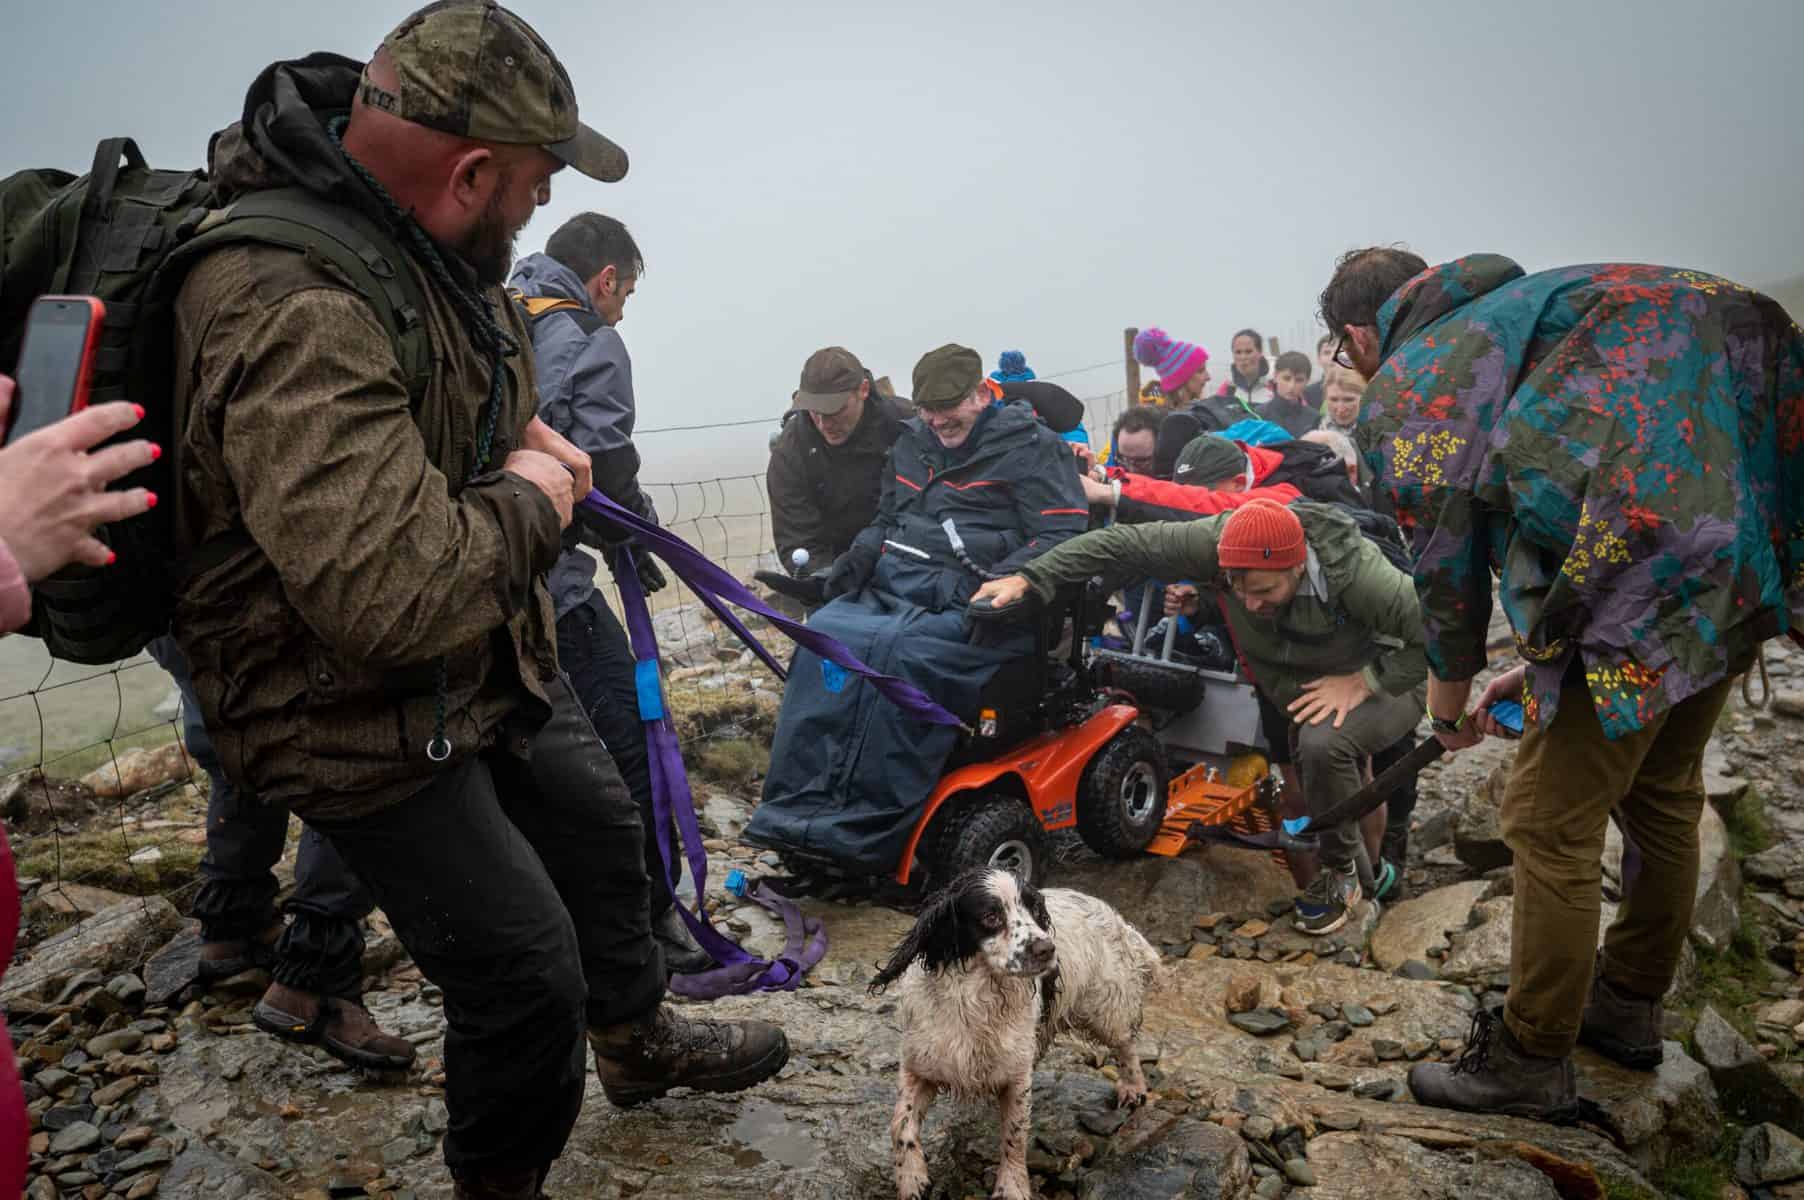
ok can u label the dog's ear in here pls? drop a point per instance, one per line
(1036, 907)
(934, 939)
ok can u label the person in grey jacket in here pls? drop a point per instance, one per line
(575, 295)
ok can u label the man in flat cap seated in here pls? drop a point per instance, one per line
(849, 770)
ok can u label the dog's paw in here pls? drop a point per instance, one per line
(911, 1180)
(1129, 1095)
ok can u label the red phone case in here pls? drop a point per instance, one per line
(84, 376)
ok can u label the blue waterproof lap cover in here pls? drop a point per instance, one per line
(849, 771)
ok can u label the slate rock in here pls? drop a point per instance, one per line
(1260, 1022)
(1190, 1158)
(73, 1139)
(1769, 1154)
(1747, 1086)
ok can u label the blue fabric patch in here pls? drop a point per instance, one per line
(651, 690)
(1256, 433)
(833, 676)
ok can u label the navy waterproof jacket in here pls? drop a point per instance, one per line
(1011, 490)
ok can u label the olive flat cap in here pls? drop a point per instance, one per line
(946, 376)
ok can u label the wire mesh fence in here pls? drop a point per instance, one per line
(99, 793)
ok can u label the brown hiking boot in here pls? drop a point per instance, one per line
(1623, 1026)
(343, 1028)
(1495, 1074)
(222, 960)
(641, 1060)
(499, 1184)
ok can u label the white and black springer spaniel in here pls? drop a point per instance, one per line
(992, 971)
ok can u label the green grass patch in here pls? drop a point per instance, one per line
(1749, 832)
(99, 858)
(738, 762)
(1732, 980)
(1702, 1180)
(724, 713)
(1704, 1177)
(1616, 1187)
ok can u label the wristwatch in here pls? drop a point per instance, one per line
(1443, 725)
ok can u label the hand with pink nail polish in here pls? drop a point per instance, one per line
(53, 486)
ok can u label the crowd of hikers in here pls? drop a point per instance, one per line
(379, 434)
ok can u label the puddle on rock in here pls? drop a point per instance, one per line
(763, 1133)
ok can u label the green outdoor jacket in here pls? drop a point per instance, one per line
(1353, 611)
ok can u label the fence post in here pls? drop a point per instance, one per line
(1133, 367)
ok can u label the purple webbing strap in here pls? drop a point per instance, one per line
(714, 585)
(739, 971)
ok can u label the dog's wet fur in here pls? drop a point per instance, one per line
(991, 972)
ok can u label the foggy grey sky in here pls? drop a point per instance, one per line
(1039, 176)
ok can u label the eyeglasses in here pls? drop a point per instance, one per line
(1341, 357)
(1138, 466)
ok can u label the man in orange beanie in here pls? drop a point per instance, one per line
(1329, 628)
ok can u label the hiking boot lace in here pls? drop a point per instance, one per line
(1477, 1054)
(702, 1037)
(484, 331)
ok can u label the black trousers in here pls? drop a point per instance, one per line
(593, 650)
(321, 949)
(520, 890)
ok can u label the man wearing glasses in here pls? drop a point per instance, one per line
(1621, 448)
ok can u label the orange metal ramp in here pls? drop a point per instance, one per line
(1209, 795)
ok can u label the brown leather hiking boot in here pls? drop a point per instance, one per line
(499, 1184)
(641, 1060)
(1495, 1074)
(1623, 1026)
(222, 960)
(343, 1027)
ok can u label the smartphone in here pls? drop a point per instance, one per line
(56, 362)
(1508, 713)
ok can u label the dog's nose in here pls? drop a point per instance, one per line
(1040, 951)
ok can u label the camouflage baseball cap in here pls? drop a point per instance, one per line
(474, 69)
(946, 376)
(830, 379)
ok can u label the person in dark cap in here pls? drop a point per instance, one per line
(976, 485)
(369, 629)
(1212, 461)
(826, 466)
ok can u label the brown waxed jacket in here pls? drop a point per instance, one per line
(355, 557)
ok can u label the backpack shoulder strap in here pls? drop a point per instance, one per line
(355, 245)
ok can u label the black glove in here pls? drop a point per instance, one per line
(651, 575)
(849, 573)
(806, 588)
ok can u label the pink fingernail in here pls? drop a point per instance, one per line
(139, 409)
(156, 452)
(150, 499)
(111, 558)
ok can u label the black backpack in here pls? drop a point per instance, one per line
(1381, 531)
(129, 235)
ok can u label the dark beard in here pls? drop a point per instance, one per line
(489, 246)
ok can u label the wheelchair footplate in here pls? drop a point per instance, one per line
(1207, 795)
